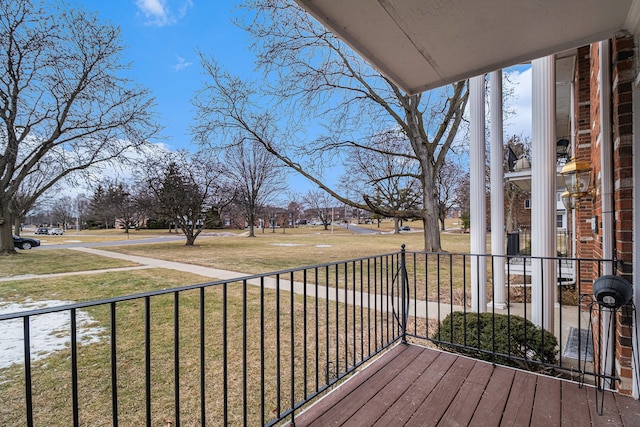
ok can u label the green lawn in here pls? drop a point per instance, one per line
(39, 261)
(266, 252)
(276, 251)
(51, 375)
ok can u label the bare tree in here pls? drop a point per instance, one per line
(320, 203)
(256, 175)
(186, 188)
(391, 181)
(448, 179)
(62, 210)
(463, 199)
(318, 82)
(20, 205)
(122, 200)
(294, 207)
(64, 104)
(24, 200)
(81, 208)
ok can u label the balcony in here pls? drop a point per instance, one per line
(267, 349)
(414, 385)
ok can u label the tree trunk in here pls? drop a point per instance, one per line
(431, 202)
(16, 226)
(6, 237)
(510, 214)
(251, 219)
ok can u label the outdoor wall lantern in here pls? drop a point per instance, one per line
(568, 201)
(577, 177)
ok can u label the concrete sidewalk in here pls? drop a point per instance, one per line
(380, 302)
(71, 273)
(212, 273)
(423, 309)
(571, 317)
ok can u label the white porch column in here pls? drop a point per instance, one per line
(478, 201)
(497, 191)
(636, 234)
(543, 191)
(606, 189)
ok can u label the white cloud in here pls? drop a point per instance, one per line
(184, 8)
(520, 103)
(182, 64)
(160, 12)
(155, 11)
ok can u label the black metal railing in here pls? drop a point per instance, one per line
(256, 350)
(519, 242)
(442, 284)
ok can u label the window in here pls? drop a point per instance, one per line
(527, 204)
(559, 221)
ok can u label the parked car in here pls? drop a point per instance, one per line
(405, 228)
(42, 230)
(56, 231)
(25, 242)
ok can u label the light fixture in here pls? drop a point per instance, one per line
(562, 149)
(577, 178)
(568, 201)
(612, 291)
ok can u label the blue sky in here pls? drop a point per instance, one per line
(162, 38)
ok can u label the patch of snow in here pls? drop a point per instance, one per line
(48, 332)
(287, 244)
(323, 246)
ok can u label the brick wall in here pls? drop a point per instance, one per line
(588, 147)
(622, 76)
(582, 151)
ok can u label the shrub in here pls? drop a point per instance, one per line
(473, 334)
(465, 221)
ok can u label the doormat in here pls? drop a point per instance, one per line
(586, 344)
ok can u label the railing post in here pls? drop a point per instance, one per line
(403, 284)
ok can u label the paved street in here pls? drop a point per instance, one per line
(71, 245)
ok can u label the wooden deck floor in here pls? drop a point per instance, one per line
(416, 386)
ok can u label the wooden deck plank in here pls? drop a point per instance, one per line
(575, 405)
(338, 402)
(438, 401)
(404, 407)
(629, 410)
(546, 405)
(520, 403)
(464, 404)
(369, 413)
(610, 415)
(492, 404)
(400, 389)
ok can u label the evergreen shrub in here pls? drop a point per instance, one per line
(476, 334)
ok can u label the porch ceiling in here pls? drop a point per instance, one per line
(422, 44)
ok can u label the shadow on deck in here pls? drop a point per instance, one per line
(413, 385)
